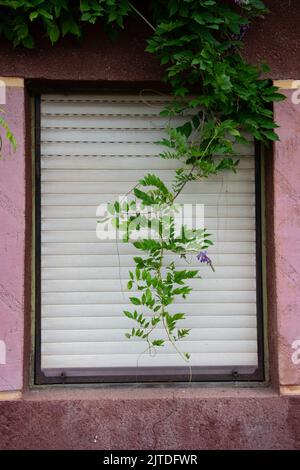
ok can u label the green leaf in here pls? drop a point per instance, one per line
(147, 200)
(158, 342)
(153, 180)
(117, 206)
(45, 14)
(271, 135)
(33, 15)
(69, 25)
(128, 314)
(135, 301)
(183, 332)
(53, 32)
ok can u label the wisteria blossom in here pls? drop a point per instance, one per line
(203, 258)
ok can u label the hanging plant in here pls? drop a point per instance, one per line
(199, 44)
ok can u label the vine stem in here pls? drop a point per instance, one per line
(183, 184)
(201, 125)
(173, 342)
(162, 307)
(141, 15)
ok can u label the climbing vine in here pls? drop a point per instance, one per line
(226, 102)
(7, 133)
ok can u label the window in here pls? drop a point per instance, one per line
(91, 149)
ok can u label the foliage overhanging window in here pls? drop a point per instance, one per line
(91, 150)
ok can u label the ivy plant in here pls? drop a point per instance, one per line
(199, 44)
(4, 126)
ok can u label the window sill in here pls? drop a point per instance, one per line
(145, 392)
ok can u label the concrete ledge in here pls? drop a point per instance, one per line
(287, 84)
(293, 390)
(13, 81)
(10, 396)
(142, 392)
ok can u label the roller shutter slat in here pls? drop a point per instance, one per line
(100, 176)
(90, 285)
(75, 273)
(56, 261)
(90, 236)
(99, 162)
(117, 335)
(65, 298)
(206, 187)
(75, 200)
(111, 148)
(138, 361)
(205, 309)
(109, 322)
(211, 223)
(108, 248)
(87, 212)
(110, 122)
(138, 347)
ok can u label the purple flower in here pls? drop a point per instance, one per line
(244, 29)
(203, 258)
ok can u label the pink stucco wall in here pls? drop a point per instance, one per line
(287, 238)
(12, 236)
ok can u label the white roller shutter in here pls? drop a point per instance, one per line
(93, 148)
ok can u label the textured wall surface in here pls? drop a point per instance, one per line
(96, 57)
(12, 236)
(287, 237)
(151, 419)
(275, 39)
